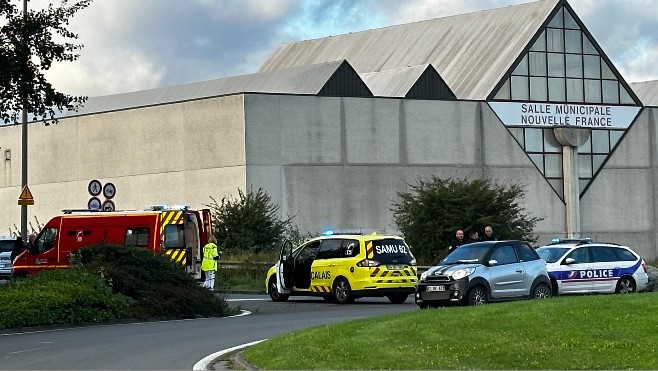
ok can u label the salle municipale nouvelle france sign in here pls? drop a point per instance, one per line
(532, 114)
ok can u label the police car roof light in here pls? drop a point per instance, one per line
(167, 207)
(579, 241)
(328, 232)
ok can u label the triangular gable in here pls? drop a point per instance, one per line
(345, 82)
(430, 85)
(472, 51)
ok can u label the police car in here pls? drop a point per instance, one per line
(343, 267)
(584, 266)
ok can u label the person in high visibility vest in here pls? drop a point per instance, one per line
(209, 263)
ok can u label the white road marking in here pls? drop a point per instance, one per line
(205, 362)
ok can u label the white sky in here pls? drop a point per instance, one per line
(142, 44)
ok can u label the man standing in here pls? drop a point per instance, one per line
(488, 234)
(458, 241)
(209, 263)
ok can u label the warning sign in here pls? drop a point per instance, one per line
(26, 197)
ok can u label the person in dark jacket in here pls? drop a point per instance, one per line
(473, 237)
(17, 249)
(488, 234)
(458, 241)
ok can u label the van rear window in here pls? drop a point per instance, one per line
(391, 251)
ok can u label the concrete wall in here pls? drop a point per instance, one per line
(339, 162)
(170, 154)
(620, 205)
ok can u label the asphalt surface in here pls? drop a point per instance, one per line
(175, 345)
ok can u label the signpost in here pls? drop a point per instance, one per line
(95, 188)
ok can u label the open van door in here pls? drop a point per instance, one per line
(285, 268)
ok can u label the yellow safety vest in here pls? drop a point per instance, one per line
(209, 253)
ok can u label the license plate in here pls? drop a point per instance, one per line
(435, 288)
(4, 266)
(395, 266)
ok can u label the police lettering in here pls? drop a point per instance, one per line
(391, 249)
(324, 275)
(599, 273)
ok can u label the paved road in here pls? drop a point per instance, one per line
(175, 345)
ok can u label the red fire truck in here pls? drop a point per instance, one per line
(177, 231)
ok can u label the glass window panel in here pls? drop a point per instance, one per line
(583, 183)
(600, 141)
(573, 43)
(537, 64)
(610, 91)
(518, 135)
(624, 97)
(553, 165)
(586, 147)
(520, 88)
(592, 66)
(584, 166)
(538, 160)
(540, 43)
(503, 93)
(550, 142)
(522, 68)
(556, 90)
(569, 21)
(557, 20)
(597, 162)
(574, 65)
(554, 40)
(557, 186)
(575, 90)
(538, 86)
(615, 135)
(556, 65)
(606, 72)
(533, 140)
(593, 91)
(588, 47)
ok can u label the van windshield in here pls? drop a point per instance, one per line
(391, 251)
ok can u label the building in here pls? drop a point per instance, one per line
(333, 128)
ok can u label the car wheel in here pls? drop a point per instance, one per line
(274, 293)
(478, 296)
(541, 291)
(342, 291)
(626, 285)
(397, 298)
(422, 306)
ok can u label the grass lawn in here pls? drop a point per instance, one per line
(593, 332)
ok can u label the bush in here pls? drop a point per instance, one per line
(60, 296)
(249, 222)
(160, 288)
(433, 210)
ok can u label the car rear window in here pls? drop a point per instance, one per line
(7, 245)
(391, 251)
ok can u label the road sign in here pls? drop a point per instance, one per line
(26, 197)
(94, 203)
(108, 205)
(95, 187)
(109, 190)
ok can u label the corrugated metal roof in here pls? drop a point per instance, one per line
(647, 91)
(393, 83)
(471, 52)
(307, 79)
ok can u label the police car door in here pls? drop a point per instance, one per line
(575, 268)
(285, 268)
(605, 268)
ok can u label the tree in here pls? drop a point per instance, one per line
(27, 48)
(430, 213)
(248, 222)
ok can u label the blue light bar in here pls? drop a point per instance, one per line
(328, 232)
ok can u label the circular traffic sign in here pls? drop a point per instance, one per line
(109, 190)
(108, 205)
(94, 203)
(94, 187)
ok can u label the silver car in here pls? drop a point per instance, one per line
(480, 272)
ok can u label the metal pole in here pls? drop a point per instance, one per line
(24, 143)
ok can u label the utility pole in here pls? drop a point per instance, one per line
(24, 139)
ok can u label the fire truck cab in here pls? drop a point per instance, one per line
(178, 232)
